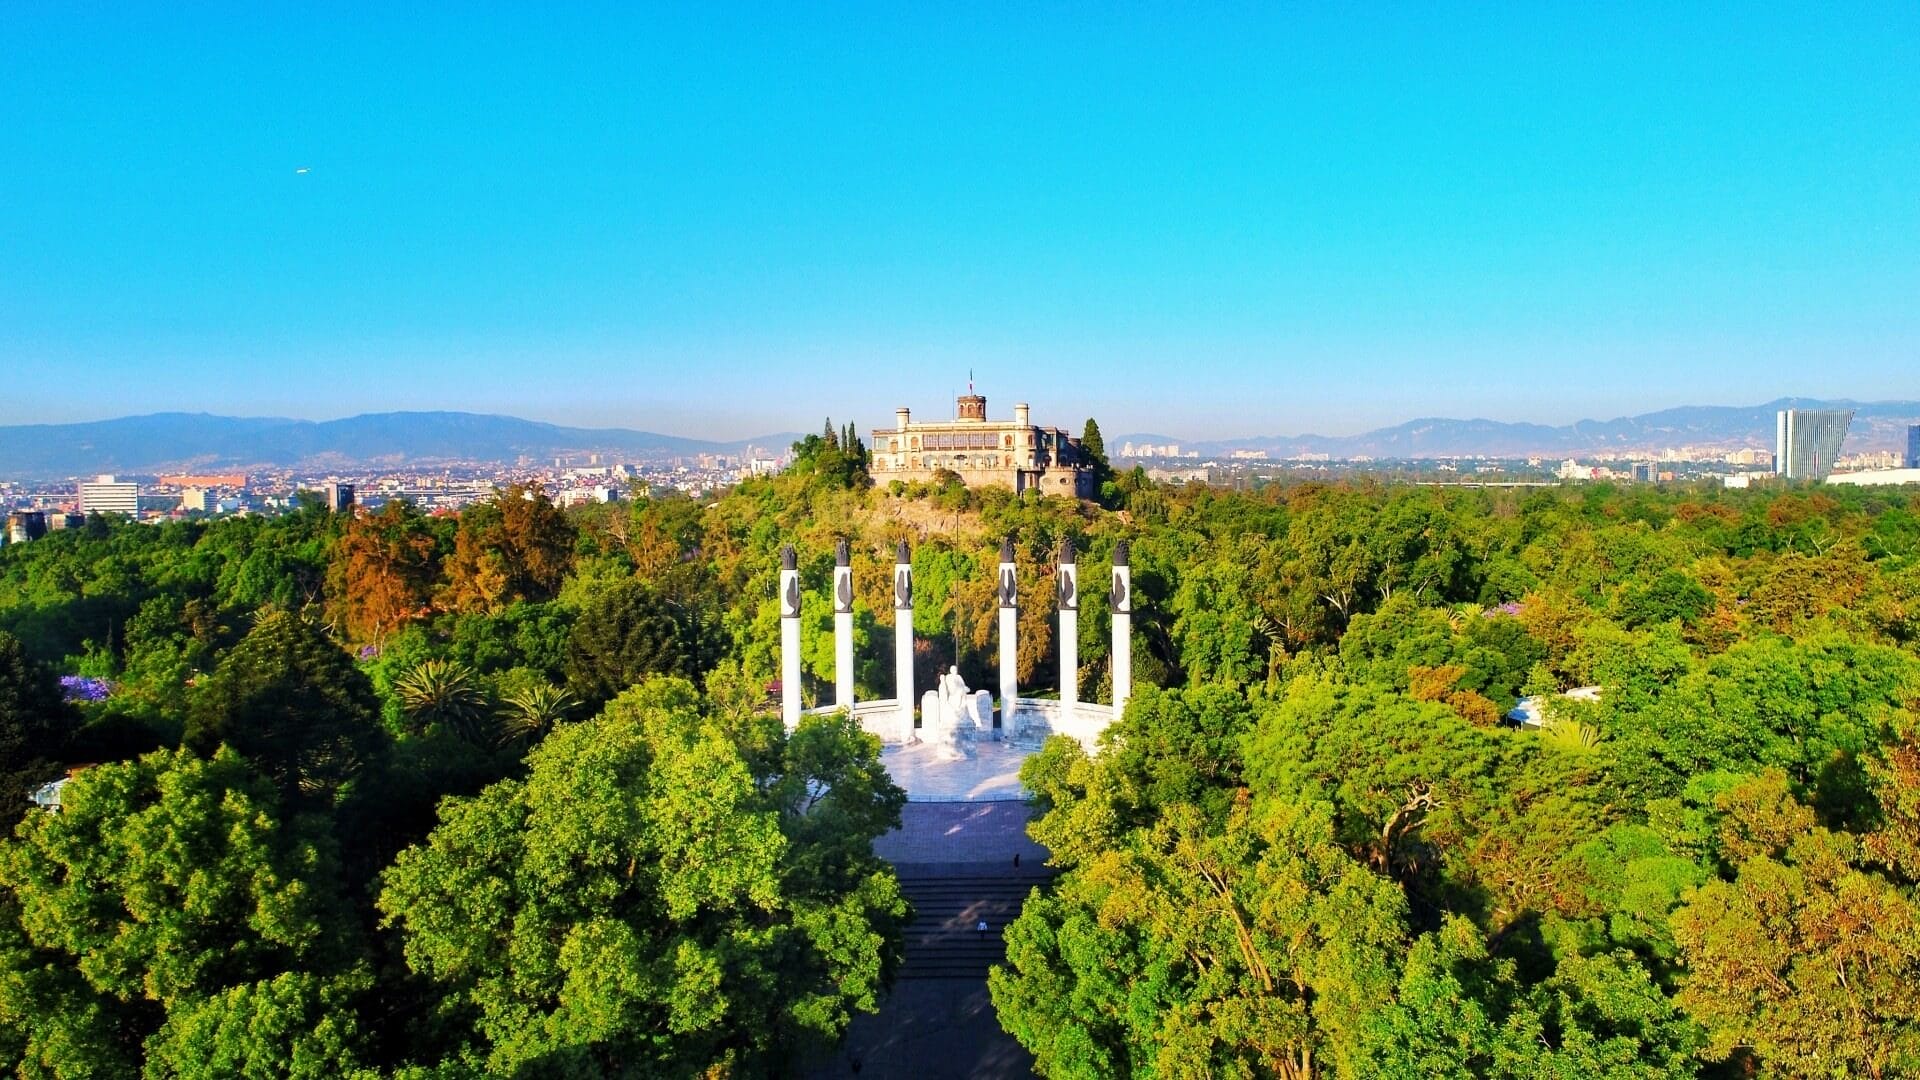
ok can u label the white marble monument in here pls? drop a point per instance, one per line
(952, 722)
(953, 717)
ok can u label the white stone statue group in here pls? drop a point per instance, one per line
(952, 717)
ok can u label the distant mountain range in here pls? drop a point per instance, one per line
(1877, 425)
(198, 442)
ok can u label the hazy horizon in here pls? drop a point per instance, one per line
(730, 223)
(865, 424)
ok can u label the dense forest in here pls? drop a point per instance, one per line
(500, 793)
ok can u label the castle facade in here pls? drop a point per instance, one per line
(1012, 453)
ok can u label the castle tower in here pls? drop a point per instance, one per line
(971, 407)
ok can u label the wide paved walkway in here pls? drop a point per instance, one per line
(933, 834)
(956, 861)
(993, 772)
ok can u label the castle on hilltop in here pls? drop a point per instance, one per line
(1012, 454)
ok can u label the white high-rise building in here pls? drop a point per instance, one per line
(105, 495)
(1807, 441)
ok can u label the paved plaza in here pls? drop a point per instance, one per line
(992, 772)
(974, 834)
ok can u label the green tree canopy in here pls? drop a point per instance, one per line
(1800, 958)
(170, 918)
(1250, 948)
(1460, 1013)
(34, 725)
(292, 702)
(444, 693)
(633, 630)
(662, 895)
(836, 456)
(514, 546)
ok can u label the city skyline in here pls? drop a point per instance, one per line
(1177, 222)
(194, 442)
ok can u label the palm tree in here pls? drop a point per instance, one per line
(443, 692)
(1571, 735)
(532, 712)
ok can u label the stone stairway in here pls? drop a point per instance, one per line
(944, 941)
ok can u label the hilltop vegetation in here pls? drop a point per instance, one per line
(498, 794)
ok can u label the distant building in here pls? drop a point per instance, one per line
(106, 495)
(602, 493)
(1877, 477)
(1531, 711)
(1646, 472)
(1012, 454)
(195, 500)
(25, 525)
(211, 480)
(1807, 441)
(1871, 459)
(1913, 447)
(1196, 474)
(338, 497)
(47, 796)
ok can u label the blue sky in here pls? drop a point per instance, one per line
(1202, 220)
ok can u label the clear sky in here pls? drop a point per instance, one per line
(1202, 220)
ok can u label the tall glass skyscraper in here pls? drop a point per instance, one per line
(1913, 447)
(1806, 441)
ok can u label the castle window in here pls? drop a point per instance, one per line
(969, 440)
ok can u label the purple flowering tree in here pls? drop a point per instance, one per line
(80, 688)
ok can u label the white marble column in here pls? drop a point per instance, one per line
(1120, 599)
(789, 638)
(903, 637)
(1068, 579)
(1009, 640)
(843, 626)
